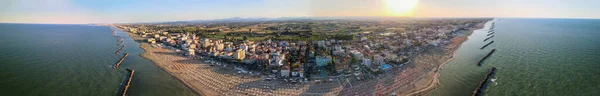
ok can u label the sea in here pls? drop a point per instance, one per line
(534, 57)
(76, 60)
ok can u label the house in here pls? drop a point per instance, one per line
(433, 42)
(239, 54)
(151, 40)
(219, 46)
(363, 39)
(191, 52)
(192, 46)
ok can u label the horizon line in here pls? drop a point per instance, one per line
(309, 17)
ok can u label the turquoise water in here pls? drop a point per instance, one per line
(541, 57)
(75, 60)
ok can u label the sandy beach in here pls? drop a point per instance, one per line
(430, 83)
(209, 80)
(415, 78)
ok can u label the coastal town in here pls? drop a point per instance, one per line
(304, 57)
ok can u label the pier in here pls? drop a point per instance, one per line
(127, 82)
(114, 32)
(485, 57)
(120, 49)
(490, 33)
(486, 45)
(483, 84)
(120, 39)
(488, 38)
(120, 42)
(119, 63)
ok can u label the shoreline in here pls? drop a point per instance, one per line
(433, 83)
(196, 74)
(198, 92)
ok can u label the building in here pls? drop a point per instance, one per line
(229, 48)
(285, 71)
(378, 59)
(162, 39)
(356, 54)
(206, 43)
(262, 60)
(277, 59)
(341, 63)
(321, 43)
(433, 42)
(219, 46)
(367, 62)
(151, 40)
(244, 47)
(191, 52)
(239, 54)
(192, 46)
(407, 42)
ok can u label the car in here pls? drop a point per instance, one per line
(356, 73)
(347, 75)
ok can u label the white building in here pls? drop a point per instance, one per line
(367, 62)
(356, 54)
(277, 59)
(191, 52)
(285, 72)
(378, 59)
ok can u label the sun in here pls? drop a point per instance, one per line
(401, 7)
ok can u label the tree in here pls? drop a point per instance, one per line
(190, 29)
(175, 30)
(354, 60)
(296, 65)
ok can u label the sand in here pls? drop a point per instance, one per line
(415, 78)
(433, 81)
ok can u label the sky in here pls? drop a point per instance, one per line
(131, 11)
